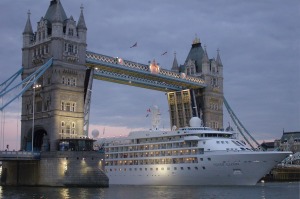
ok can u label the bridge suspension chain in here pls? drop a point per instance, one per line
(25, 84)
(242, 130)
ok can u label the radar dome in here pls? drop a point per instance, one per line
(195, 122)
(95, 133)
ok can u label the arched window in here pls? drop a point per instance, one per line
(73, 107)
(62, 106)
(68, 106)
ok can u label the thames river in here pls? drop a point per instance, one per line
(286, 190)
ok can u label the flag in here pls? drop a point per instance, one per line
(134, 45)
(149, 110)
(164, 53)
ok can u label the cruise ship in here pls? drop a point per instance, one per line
(193, 155)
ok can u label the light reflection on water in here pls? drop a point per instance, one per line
(260, 191)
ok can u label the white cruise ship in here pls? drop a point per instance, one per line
(192, 155)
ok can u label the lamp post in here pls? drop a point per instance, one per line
(33, 107)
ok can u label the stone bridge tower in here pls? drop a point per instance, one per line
(207, 102)
(58, 97)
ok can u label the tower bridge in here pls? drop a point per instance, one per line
(117, 70)
(56, 101)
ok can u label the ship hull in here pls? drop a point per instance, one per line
(213, 168)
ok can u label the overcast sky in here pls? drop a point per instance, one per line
(259, 44)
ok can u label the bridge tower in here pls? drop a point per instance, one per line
(54, 108)
(207, 102)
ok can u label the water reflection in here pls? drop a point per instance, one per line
(64, 193)
(262, 191)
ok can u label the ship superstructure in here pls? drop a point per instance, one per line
(192, 155)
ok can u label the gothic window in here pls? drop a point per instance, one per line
(70, 48)
(39, 36)
(62, 106)
(63, 80)
(68, 81)
(75, 49)
(68, 106)
(73, 107)
(71, 32)
(73, 128)
(73, 81)
(68, 129)
(63, 127)
(66, 47)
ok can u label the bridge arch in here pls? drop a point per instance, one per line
(40, 141)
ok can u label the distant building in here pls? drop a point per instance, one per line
(268, 146)
(290, 141)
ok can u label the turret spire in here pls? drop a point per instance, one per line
(81, 21)
(205, 56)
(219, 62)
(175, 64)
(28, 27)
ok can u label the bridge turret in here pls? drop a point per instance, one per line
(175, 67)
(219, 63)
(27, 33)
(82, 33)
(205, 62)
(81, 26)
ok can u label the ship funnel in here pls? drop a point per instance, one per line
(195, 122)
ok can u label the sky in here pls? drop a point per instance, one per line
(259, 44)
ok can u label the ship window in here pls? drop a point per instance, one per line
(181, 168)
(203, 168)
(196, 168)
(175, 168)
(151, 169)
(145, 169)
(120, 169)
(141, 169)
(218, 142)
(201, 159)
(110, 169)
(156, 169)
(125, 169)
(162, 168)
(135, 169)
(130, 169)
(168, 168)
(204, 142)
(189, 168)
(209, 159)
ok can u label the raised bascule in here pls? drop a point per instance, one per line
(57, 76)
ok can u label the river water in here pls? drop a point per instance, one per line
(286, 190)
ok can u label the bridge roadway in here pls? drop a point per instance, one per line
(117, 70)
(19, 155)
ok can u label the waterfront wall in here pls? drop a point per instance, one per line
(60, 168)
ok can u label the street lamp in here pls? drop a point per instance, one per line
(33, 106)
